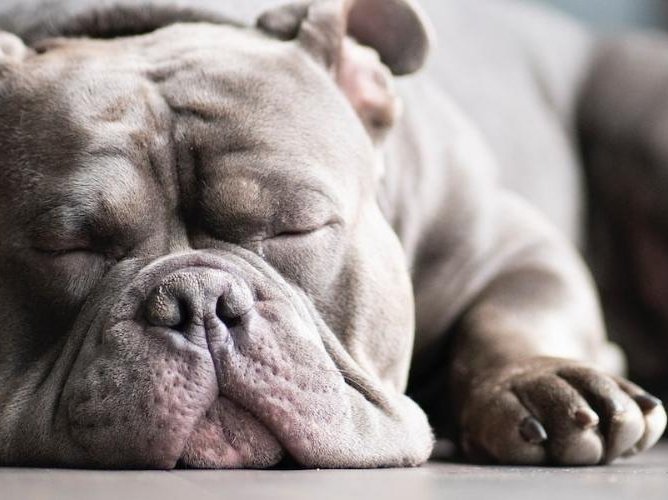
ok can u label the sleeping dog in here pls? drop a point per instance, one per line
(226, 244)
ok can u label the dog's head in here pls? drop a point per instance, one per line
(194, 266)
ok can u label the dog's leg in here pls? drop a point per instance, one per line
(533, 377)
(527, 373)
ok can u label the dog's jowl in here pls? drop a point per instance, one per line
(222, 245)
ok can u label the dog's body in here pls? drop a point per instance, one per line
(212, 232)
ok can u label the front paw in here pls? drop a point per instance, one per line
(554, 411)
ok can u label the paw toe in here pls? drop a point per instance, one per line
(571, 424)
(502, 430)
(625, 429)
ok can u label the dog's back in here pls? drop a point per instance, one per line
(515, 69)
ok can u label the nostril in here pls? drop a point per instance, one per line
(227, 314)
(165, 311)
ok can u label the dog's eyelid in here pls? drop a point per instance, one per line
(63, 230)
(76, 242)
(307, 209)
(52, 252)
(307, 230)
(302, 223)
(52, 242)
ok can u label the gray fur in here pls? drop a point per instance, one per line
(220, 242)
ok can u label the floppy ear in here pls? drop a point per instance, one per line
(363, 42)
(12, 49)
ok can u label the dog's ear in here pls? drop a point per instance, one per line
(396, 29)
(363, 42)
(12, 49)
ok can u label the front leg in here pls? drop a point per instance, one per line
(533, 377)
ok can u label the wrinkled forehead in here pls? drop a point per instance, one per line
(227, 98)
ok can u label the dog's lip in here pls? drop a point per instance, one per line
(234, 457)
(232, 452)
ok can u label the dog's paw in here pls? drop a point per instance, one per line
(554, 411)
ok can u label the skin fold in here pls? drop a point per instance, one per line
(226, 245)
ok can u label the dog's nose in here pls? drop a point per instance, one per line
(197, 298)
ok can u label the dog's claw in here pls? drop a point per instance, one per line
(586, 419)
(647, 402)
(533, 431)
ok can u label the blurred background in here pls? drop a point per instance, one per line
(616, 14)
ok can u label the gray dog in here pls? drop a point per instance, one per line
(217, 238)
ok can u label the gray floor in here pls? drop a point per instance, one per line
(643, 478)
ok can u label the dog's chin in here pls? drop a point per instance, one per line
(228, 437)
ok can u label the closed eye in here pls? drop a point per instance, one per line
(56, 251)
(81, 252)
(295, 233)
